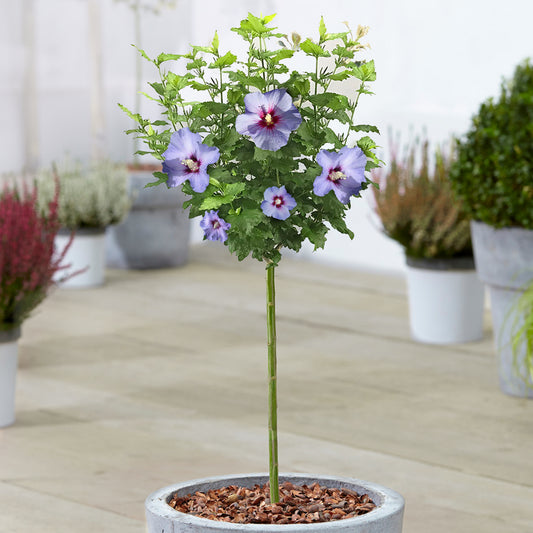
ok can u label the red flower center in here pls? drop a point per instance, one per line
(336, 174)
(278, 201)
(268, 119)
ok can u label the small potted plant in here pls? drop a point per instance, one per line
(493, 175)
(28, 265)
(418, 210)
(269, 157)
(90, 200)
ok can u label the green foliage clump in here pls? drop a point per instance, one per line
(418, 209)
(493, 173)
(208, 95)
(93, 197)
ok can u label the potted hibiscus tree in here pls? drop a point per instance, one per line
(269, 157)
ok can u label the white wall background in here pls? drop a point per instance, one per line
(436, 61)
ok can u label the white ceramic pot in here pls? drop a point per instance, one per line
(386, 518)
(8, 374)
(446, 301)
(86, 255)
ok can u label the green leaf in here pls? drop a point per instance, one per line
(322, 29)
(224, 61)
(313, 49)
(134, 116)
(247, 220)
(161, 58)
(367, 128)
(365, 72)
(332, 100)
(284, 53)
(215, 43)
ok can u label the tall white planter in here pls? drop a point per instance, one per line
(446, 301)
(8, 375)
(86, 255)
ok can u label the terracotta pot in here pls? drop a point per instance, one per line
(386, 518)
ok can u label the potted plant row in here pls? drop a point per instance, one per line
(493, 175)
(91, 198)
(418, 210)
(258, 152)
(28, 265)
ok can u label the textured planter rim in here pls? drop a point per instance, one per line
(389, 503)
(451, 263)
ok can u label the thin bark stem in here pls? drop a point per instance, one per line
(272, 386)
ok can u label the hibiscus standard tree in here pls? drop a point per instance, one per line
(261, 147)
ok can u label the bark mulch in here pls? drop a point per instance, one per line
(298, 504)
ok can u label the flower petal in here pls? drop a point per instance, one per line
(345, 189)
(199, 180)
(271, 140)
(321, 185)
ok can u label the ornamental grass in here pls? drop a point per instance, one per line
(418, 209)
(27, 260)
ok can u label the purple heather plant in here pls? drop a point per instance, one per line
(276, 143)
(277, 203)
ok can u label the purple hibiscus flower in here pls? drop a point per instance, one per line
(214, 227)
(342, 172)
(277, 203)
(269, 119)
(186, 158)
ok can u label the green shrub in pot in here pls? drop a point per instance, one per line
(493, 176)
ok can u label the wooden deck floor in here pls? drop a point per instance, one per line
(160, 377)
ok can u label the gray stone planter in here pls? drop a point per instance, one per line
(155, 234)
(386, 518)
(504, 261)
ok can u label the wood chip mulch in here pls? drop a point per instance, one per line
(298, 504)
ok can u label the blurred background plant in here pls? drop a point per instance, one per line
(95, 196)
(417, 207)
(493, 171)
(28, 263)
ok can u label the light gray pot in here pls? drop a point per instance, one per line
(155, 234)
(386, 518)
(504, 261)
(445, 300)
(8, 374)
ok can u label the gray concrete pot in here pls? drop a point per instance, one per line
(504, 261)
(386, 518)
(155, 234)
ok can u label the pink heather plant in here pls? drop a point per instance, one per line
(27, 261)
